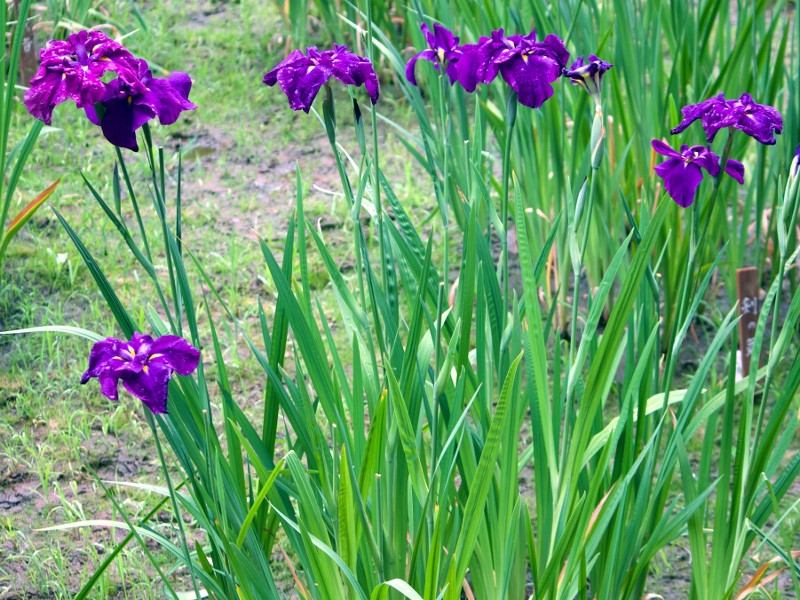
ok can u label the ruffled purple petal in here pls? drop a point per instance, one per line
(467, 69)
(530, 76)
(102, 352)
(680, 180)
(736, 170)
(759, 121)
(108, 384)
(703, 157)
(295, 59)
(176, 353)
(42, 98)
(553, 47)
(355, 70)
(73, 69)
(711, 111)
(168, 97)
(150, 385)
(425, 54)
(665, 149)
(300, 79)
(121, 120)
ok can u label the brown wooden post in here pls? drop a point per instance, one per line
(28, 54)
(749, 309)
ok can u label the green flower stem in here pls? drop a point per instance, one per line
(175, 506)
(511, 119)
(162, 210)
(577, 271)
(376, 186)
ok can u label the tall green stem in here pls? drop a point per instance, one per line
(175, 506)
(511, 119)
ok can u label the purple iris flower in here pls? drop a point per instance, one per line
(528, 66)
(759, 121)
(443, 51)
(301, 76)
(588, 75)
(126, 108)
(73, 69)
(144, 365)
(795, 166)
(682, 172)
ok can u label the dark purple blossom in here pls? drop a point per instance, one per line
(528, 66)
(301, 76)
(682, 172)
(795, 166)
(442, 50)
(126, 108)
(759, 121)
(588, 75)
(72, 69)
(144, 365)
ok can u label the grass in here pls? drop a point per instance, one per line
(239, 177)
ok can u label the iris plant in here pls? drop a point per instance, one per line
(143, 364)
(759, 121)
(302, 75)
(526, 65)
(683, 171)
(73, 69)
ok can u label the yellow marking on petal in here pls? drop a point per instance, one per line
(131, 350)
(130, 99)
(144, 368)
(525, 58)
(311, 68)
(156, 355)
(118, 357)
(440, 52)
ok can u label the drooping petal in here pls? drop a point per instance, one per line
(41, 99)
(295, 59)
(736, 170)
(665, 149)
(759, 121)
(176, 353)
(553, 47)
(468, 67)
(168, 97)
(150, 385)
(715, 113)
(680, 180)
(102, 352)
(354, 70)
(531, 76)
(301, 83)
(121, 120)
(108, 385)
(425, 54)
(703, 157)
